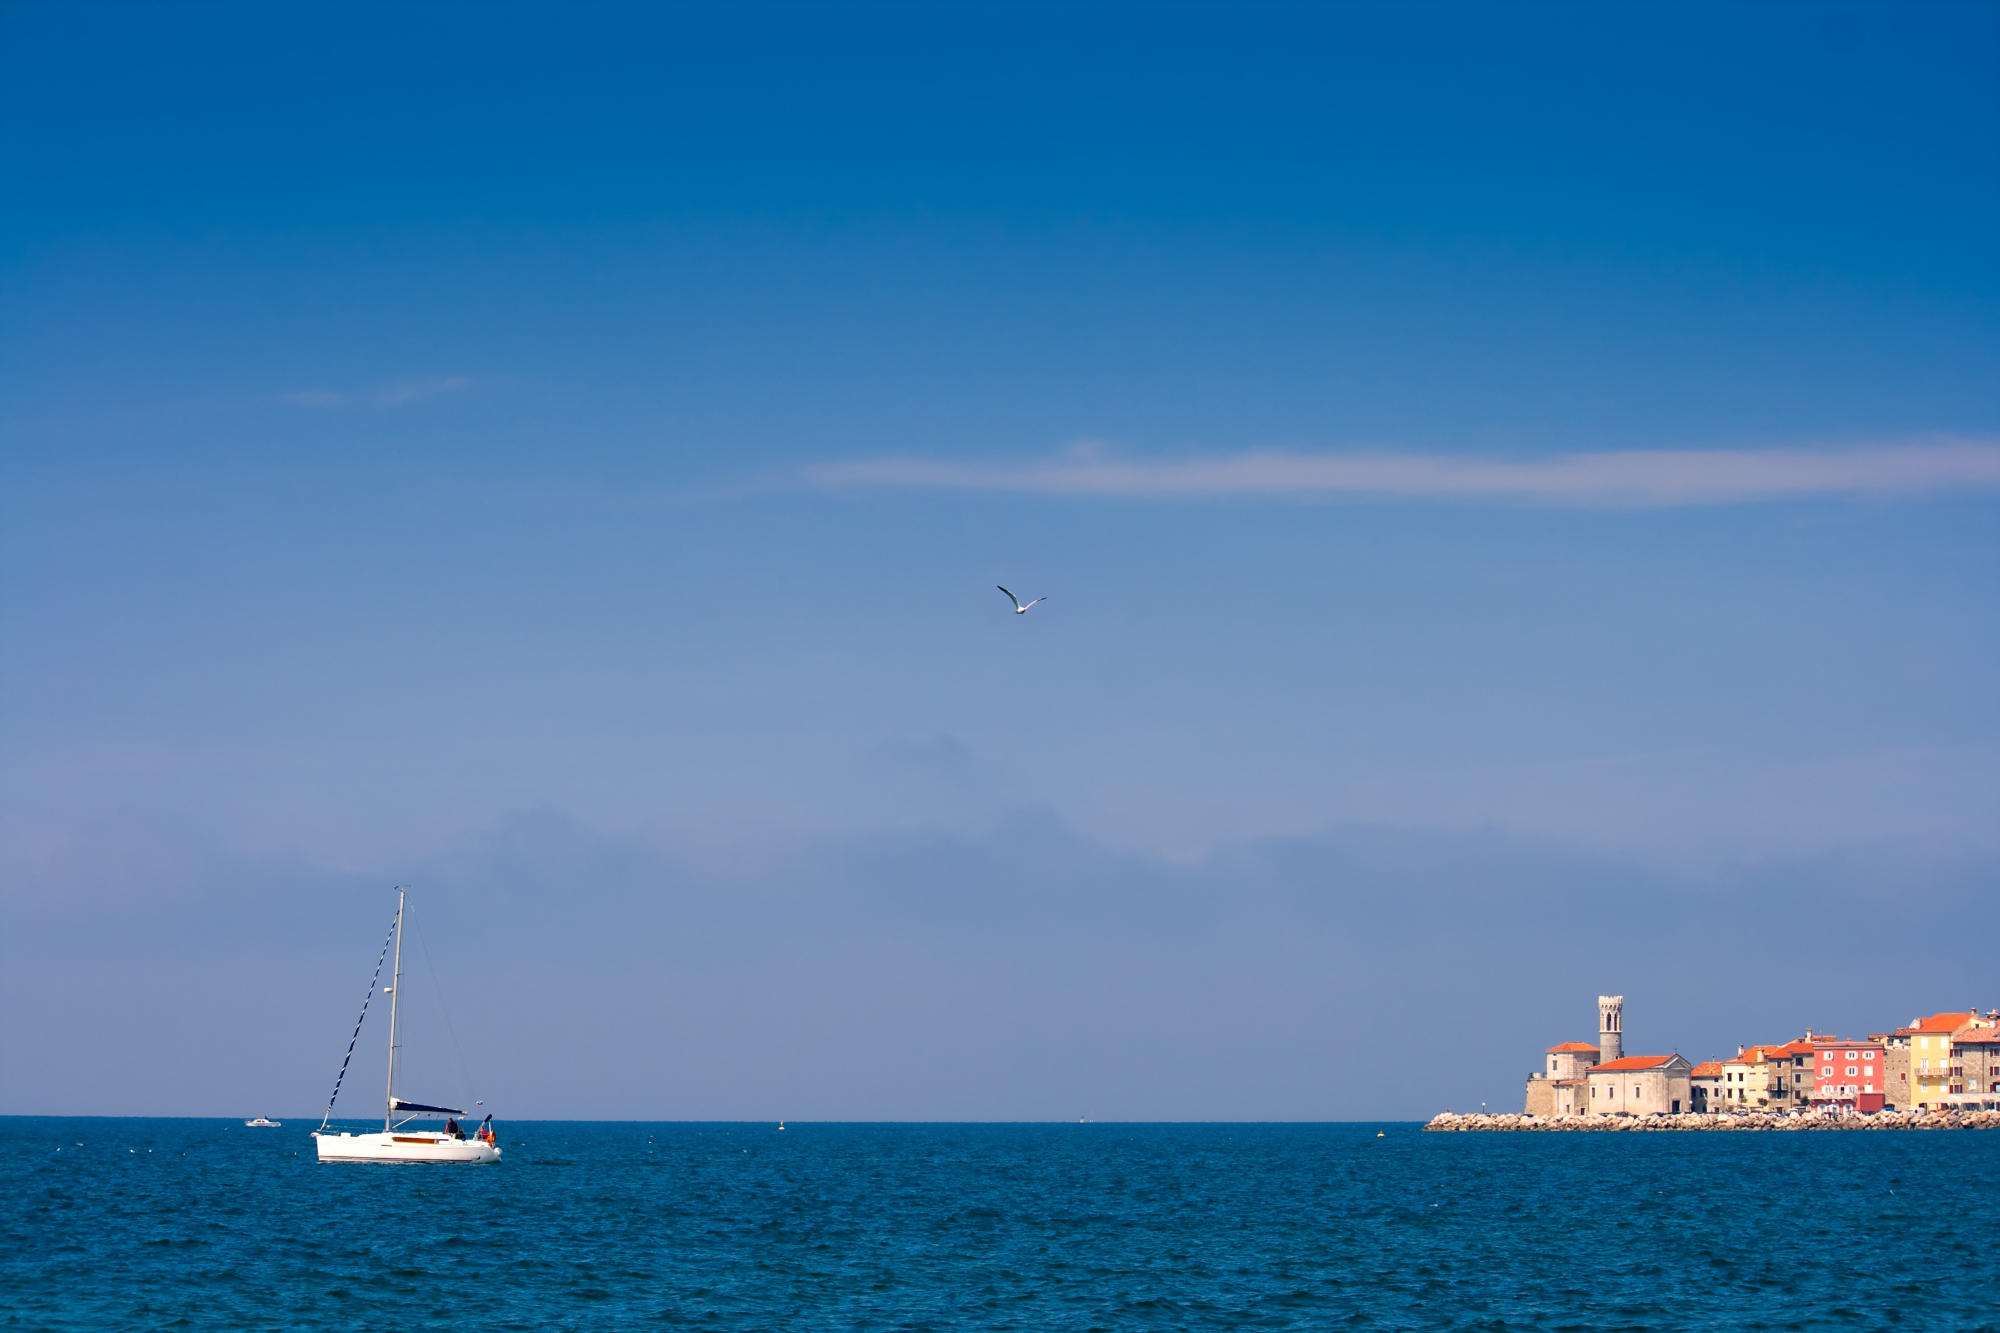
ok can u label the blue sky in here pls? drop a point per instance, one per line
(1515, 487)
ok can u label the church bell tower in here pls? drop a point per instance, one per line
(1610, 1028)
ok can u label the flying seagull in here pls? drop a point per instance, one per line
(1019, 610)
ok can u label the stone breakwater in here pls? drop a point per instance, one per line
(1446, 1122)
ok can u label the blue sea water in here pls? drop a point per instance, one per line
(160, 1224)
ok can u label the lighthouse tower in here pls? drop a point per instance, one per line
(1610, 1028)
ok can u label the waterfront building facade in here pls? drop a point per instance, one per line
(1755, 1079)
(1930, 1057)
(1896, 1075)
(1735, 1075)
(1794, 1070)
(1849, 1075)
(1572, 1059)
(1640, 1085)
(1559, 1089)
(1705, 1086)
(1977, 1053)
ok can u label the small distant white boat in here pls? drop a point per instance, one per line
(262, 1122)
(398, 1141)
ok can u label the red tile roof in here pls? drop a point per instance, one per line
(1706, 1069)
(1946, 1022)
(1632, 1062)
(1571, 1046)
(1977, 1037)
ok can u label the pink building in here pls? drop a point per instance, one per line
(1849, 1075)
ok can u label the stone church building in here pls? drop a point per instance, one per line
(1581, 1079)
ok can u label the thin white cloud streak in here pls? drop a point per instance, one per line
(394, 394)
(1632, 479)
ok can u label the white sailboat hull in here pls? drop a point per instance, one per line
(403, 1146)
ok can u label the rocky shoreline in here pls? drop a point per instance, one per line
(1447, 1122)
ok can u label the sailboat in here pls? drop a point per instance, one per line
(398, 1141)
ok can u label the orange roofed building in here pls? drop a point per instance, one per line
(1559, 1089)
(1640, 1085)
(1776, 1076)
(1977, 1053)
(1792, 1075)
(1935, 1075)
(1705, 1086)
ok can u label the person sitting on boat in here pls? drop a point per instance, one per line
(451, 1127)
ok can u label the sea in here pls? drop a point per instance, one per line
(201, 1224)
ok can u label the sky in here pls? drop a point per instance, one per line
(1517, 490)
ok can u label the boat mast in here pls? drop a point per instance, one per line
(395, 994)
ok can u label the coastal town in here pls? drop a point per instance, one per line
(1944, 1069)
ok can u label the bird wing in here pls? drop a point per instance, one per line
(1010, 596)
(1038, 599)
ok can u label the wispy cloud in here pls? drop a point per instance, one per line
(1637, 478)
(394, 393)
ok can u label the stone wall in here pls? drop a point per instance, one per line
(1896, 1073)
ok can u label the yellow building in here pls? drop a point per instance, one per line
(1932, 1069)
